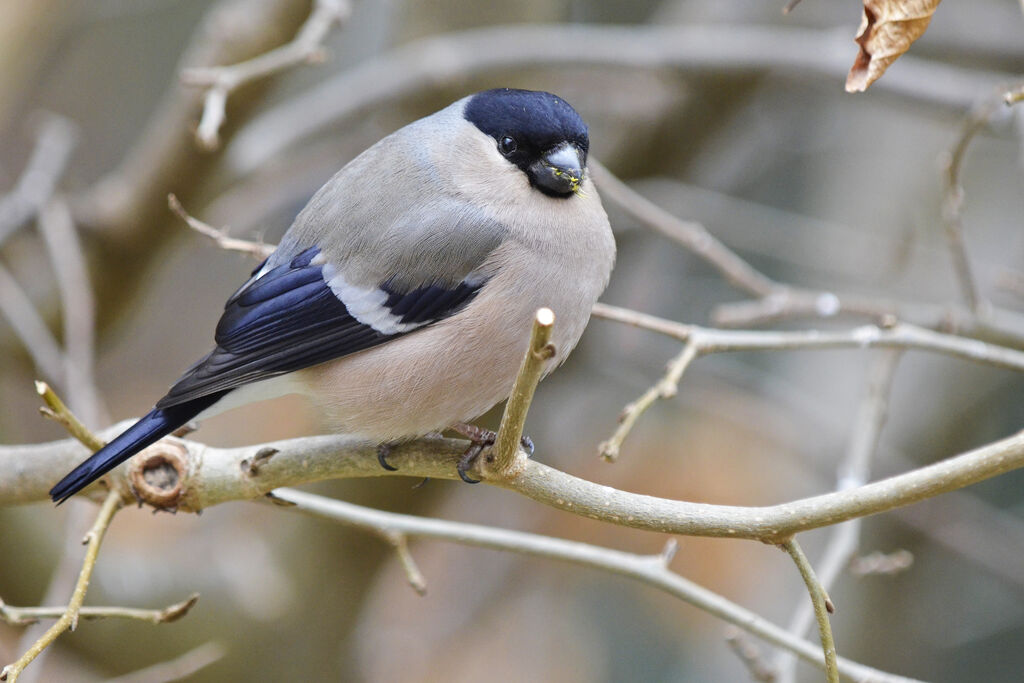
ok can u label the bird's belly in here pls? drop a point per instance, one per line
(450, 372)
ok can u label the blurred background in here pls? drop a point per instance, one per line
(722, 111)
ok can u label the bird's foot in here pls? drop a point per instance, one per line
(481, 439)
(383, 451)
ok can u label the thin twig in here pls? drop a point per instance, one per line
(701, 341)
(854, 471)
(535, 361)
(59, 412)
(897, 335)
(649, 569)
(219, 235)
(952, 205)
(822, 607)
(665, 388)
(221, 81)
(55, 139)
(69, 619)
(177, 669)
(29, 615)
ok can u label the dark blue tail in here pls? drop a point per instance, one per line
(150, 429)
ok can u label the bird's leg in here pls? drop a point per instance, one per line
(383, 451)
(481, 439)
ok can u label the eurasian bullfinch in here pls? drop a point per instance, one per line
(401, 298)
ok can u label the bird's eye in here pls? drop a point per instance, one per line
(507, 145)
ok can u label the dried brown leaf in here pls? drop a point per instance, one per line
(887, 28)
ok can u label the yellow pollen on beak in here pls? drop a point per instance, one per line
(575, 181)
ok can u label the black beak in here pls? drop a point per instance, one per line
(559, 173)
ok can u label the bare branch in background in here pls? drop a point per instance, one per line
(882, 563)
(177, 669)
(124, 210)
(219, 236)
(27, 615)
(78, 310)
(854, 471)
(423, 65)
(701, 341)
(55, 139)
(694, 236)
(220, 81)
(69, 619)
(778, 301)
(750, 655)
(31, 329)
(952, 206)
(652, 570)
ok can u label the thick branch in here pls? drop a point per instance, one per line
(217, 475)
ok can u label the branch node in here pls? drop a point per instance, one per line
(251, 467)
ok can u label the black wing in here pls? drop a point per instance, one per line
(289, 319)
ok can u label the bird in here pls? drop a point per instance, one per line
(401, 298)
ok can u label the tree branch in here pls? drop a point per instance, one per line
(221, 81)
(822, 607)
(425, 64)
(69, 619)
(55, 139)
(535, 361)
(210, 476)
(28, 615)
(652, 570)
(854, 471)
(219, 236)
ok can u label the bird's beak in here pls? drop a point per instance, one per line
(560, 171)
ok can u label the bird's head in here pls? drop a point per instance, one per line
(539, 133)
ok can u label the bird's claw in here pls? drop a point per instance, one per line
(383, 451)
(481, 439)
(468, 459)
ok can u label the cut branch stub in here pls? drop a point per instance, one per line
(157, 474)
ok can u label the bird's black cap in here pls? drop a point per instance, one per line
(536, 122)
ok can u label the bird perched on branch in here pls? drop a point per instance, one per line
(401, 298)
